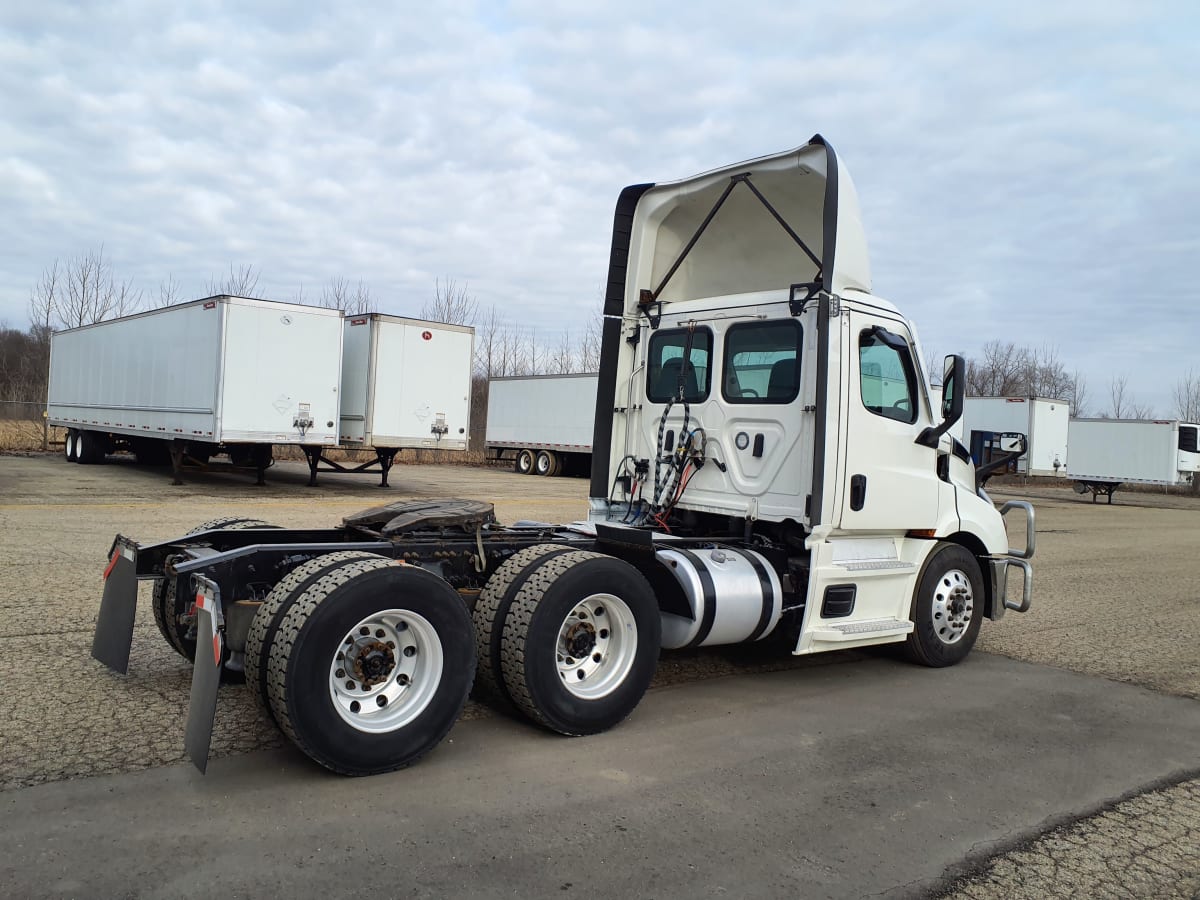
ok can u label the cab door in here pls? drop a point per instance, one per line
(890, 481)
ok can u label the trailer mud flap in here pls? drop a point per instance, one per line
(206, 673)
(114, 625)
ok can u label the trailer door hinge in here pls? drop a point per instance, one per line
(809, 408)
(835, 305)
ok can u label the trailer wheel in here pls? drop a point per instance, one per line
(491, 609)
(524, 463)
(90, 448)
(580, 642)
(170, 611)
(265, 624)
(69, 446)
(947, 609)
(371, 666)
(546, 463)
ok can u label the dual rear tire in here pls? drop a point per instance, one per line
(569, 637)
(87, 447)
(363, 662)
(540, 462)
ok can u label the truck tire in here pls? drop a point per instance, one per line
(265, 624)
(524, 462)
(546, 464)
(69, 446)
(90, 448)
(947, 608)
(169, 609)
(491, 609)
(371, 666)
(580, 643)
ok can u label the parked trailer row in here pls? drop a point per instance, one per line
(753, 476)
(239, 376)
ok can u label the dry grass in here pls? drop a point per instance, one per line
(22, 434)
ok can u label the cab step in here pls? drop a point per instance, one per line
(857, 631)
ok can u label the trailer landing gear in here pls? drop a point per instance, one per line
(384, 458)
(1108, 488)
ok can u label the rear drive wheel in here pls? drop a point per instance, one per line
(265, 624)
(491, 609)
(580, 643)
(546, 463)
(175, 616)
(371, 667)
(524, 462)
(947, 609)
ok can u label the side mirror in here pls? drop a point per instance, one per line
(953, 378)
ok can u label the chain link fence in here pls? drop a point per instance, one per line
(23, 426)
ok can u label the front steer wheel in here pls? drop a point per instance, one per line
(371, 666)
(947, 609)
(580, 642)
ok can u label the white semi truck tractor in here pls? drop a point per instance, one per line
(767, 461)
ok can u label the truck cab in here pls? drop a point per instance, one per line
(753, 388)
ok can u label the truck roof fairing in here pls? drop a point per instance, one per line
(763, 224)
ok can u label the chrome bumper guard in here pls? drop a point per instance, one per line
(1020, 558)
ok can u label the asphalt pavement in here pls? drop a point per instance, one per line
(860, 778)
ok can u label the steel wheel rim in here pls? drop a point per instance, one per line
(377, 688)
(953, 606)
(542, 464)
(604, 626)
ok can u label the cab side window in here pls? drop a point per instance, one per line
(887, 376)
(762, 362)
(667, 367)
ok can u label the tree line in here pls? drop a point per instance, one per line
(1004, 369)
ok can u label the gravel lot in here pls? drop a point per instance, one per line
(1117, 595)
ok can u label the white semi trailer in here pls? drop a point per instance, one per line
(224, 374)
(406, 385)
(1103, 454)
(542, 422)
(751, 476)
(1044, 423)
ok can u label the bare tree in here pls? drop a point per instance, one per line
(353, 299)
(561, 359)
(451, 304)
(1045, 375)
(1122, 404)
(240, 282)
(999, 372)
(1078, 396)
(92, 293)
(169, 292)
(43, 304)
(1187, 397)
(589, 344)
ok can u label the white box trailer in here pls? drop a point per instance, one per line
(406, 385)
(1106, 453)
(223, 374)
(1043, 421)
(543, 422)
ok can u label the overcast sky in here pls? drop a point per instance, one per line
(1028, 174)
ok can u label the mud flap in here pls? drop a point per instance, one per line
(206, 673)
(114, 625)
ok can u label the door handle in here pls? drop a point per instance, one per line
(858, 491)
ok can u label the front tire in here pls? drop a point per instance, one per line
(581, 642)
(947, 608)
(364, 703)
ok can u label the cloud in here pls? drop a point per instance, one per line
(1026, 173)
